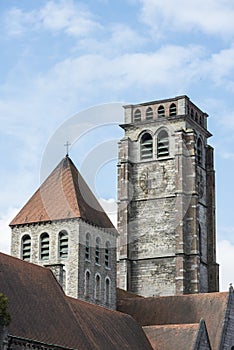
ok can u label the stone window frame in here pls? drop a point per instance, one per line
(160, 152)
(44, 246)
(63, 234)
(87, 283)
(26, 242)
(97, 287)
(107, 291)
(146, 146)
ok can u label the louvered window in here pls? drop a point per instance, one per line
(146, 146)
(26, 247)
(161, 111)
(45, 246)
(87, 247)
(172, 110)
(107, 254)
(149, 113)
(97, 251)
(137, 116)
(63, 244)
(162, 144)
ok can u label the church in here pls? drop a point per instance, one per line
(74, 281)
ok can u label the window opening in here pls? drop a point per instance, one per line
(146, 146)
(107, 254)
(107, 291)
(137, 116)
(87, 284)
(161, 111)
(87, 247)
(97, 251)
(26, 247)
(63, 244)
(172, 110)
(45, 246)
(97, 287)
(149, 113)
(199, 151)
(163, 144)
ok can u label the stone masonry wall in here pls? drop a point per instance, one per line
(74, 265)
(107, 295)
(52, 228)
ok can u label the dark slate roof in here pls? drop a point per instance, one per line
(40, 311)
(63, 195)
(181, 309)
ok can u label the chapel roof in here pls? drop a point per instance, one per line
(41, 311)
(63, 195)
(177, 336)
(180, 309)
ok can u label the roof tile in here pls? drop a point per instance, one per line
(63, 195)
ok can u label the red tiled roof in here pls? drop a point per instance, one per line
(172, 337)
(63, 195)
(181, 309)
(40, 311)
(125, 294)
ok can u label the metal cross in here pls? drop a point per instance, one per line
(67, 144)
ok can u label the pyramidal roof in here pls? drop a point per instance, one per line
(63, 195)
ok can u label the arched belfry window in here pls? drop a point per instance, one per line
(146, 146)
(137, 116)
(149, 114)
(199, 151)
(26, 247)
(162, 144)
(172, 110)
(97, 251)
(63, 244)
(161, 111)
(45, 246)
(87, 246)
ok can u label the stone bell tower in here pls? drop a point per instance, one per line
(166, 198)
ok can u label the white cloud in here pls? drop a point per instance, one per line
(16, 21)
(220, 66)
(5, 231)
(55, 16)
(210, 16)
(225, 254)
(68, 16)
(93, 73)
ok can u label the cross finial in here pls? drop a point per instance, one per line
(67, 144)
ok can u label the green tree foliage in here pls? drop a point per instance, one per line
(5, 317)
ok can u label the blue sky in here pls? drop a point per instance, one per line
(61, 57)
